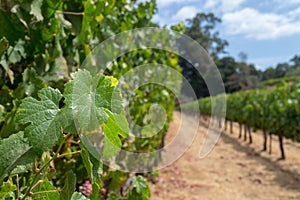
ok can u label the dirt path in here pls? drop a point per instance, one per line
(234, 170)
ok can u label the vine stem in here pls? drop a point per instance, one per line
(35, 185)
(67, 154)
(42, 192)
(69, 13)
(35, 179)
(18, 186)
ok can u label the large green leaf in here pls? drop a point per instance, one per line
(110, 149)
(141, 185)
(140, 191)
(69, 187)
(95, 191)
(46, 191)
(89, 10)
(12, 150)
(66, 116)
(44, 117)
(90, 98)
(78, 196)
(116, 125)
(58, 71)
(30, 85)
(7, 190)
(17, 52)
(93, 165)
(95, 101)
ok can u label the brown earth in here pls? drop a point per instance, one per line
(234, 170)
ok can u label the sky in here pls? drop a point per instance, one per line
(268, 31)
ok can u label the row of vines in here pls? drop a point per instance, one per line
(275, 111)
(43, 153)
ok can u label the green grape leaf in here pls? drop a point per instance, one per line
(91, 98)
(58, 71)
(140, 189)
(86, 143)
(66, 116)
(10, 157)
(44, 117)
(22, 168)
(95, 191)
(116, 178)
(7, 189)
(30, 85)
(141, 185)
(45, 191)
(24, 163)
(92, 165)
(110, 149)
(89, 10)
(17, 52)
(116, 125)
(78, 196)
(69, 187)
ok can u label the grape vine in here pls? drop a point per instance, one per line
(41, 51)
(275, 111)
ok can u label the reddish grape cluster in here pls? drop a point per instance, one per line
(86, 188)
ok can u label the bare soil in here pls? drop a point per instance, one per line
(234, 170)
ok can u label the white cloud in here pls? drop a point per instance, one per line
(163, 3)
(257, 25)
(282, 5)
(211, 4)
(166, 18)
(287, 2)
(185, 12)
(294, 13)
(229, 5)
(292, 1)
(223, 5)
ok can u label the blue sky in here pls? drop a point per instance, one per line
(268, 31)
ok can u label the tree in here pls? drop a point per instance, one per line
(202, 29)
(243, 56)
(227, 66)
(245, 77)
(281, 69)
(295, 60)
(294, 69)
